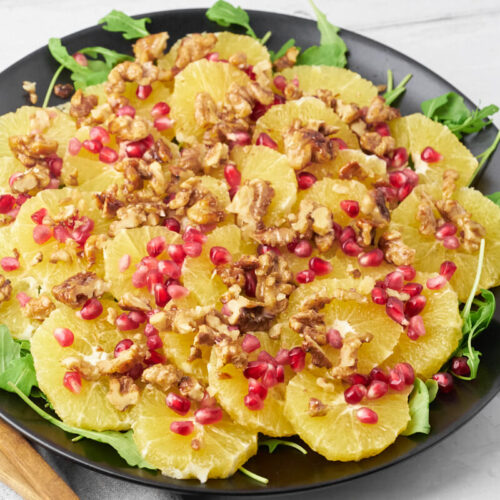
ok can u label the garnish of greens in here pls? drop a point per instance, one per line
(422, 395)
(130, 28)
(391, 92)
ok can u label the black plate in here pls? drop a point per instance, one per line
(287, 470)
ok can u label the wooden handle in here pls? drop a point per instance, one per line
(26, 472)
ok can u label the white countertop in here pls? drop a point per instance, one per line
(460, 40)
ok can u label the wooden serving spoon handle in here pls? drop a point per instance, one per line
(26, 472)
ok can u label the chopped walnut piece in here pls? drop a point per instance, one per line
(239, 60)
(347, 112)
(35, 179)
(127, 128)
(150, 47)
(378, 111)
(216, 156)
(32, 149)
(5, 289)
(196, 444)
(60, 255)
(352, 170)
(81, 105)
(124, 362)
(164, 377)
(230, 351)
(261, 94)
(130, 302)
(274, 236)
(292, 92)
(359, 127)
(263, 73)
(87, 370)
(194, 47)
(317, 408)
(349, 354)
(128, 71)
(63, 90)
(123, 393)
(36, 259)
(450, 177)
(206, 210)
(93, 245)
(366, 232)
(191, 388)
(38, 308)
(77, 289)
(205, 110)
(395, 250)
(425, 215)
(137, 215)
(373, 142)
(30, 88)
(326, 96)
(318, 356)
(288, 60)
(239, 100)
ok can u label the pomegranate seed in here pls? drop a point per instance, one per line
(74, 146)
(396, 379)
(64, 336)
(334, 338)
(436, 283)
(397, 179)
(220, 256)
(61, 233)
(143, 91)
(250, 283)
(163, 123)
(351, 248)
(394, 280)
(37, 217)
(350, 207)
(451, 242)
(207, 416)
(395, 310)
(412, 289)
(138, 316)
(373, 258)
(193, 234)
(339, 143)
(124, 263)
(176, 253)
(232, 175)
(409, 272)
(399, 158)
(153, 278)
(412, 176)
(9, 264)
(445, 382)
(320, 266)
(213, 56)
(55, 166)
(241, 138)
(177, 291)
(178, 403)
(125, 323)
(347, 233)
(23, 298)
(156, 246)
(382, 129)
(270, 378)
(192, 248)
(430, 155)
(73, 382)
(161, 294)
(253, 402)
(41, 234)
(416, 327)
(367, 416)
(80, 58)
(169, 268)
(250, 343)
(280, 374)
(377, 389)
(123, 345)
(139, 277)
(460, 367)
(297, 358)
(135, 149)
(108, 155)
(408, 373)
(265, 356)
(150, 330)
(282, 357)
(447, 229)
(291, 246)
(415, 305)
(160, 109)
(447, 269)
(92, 309)
(359, 378)
(183, 428)
(136, 371)
(404, 191)
(280, 82)
(155, 358)
(305, 276)
(255, 387)
(99, 134)
(354, 394)
(126, 111)
(305, 180)
(92, 145)
(255, 369)
(379, 296)
(378, 374)
(303, 249)
(265, 140)
(262, 249)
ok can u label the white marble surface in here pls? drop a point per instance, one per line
(459, 39)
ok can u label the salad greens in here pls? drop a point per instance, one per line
(422, 395)
(282, 51)
(392, 93)
(495, 197)
(485, 155)
(130, 28)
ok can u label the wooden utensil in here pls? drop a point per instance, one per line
(26, 472)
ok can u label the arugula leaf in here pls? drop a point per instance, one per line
(432, 388)
(332, 49)
(272, 444)
(419, 410)
(450, 110)
(282, 51)
(391, 93)
(494, 197)
(485, 155)
(119, 22)
(225, 14)
(122, 442)
(252, 475)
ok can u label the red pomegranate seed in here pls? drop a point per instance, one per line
(262, 249)
(436, 283)
(408, 372)
(124, 263)
(150, 330)
(143, 91)
(183, 428)
(412, 176)
(135, 149)
(108, 155)
(297, 358)
(355, 394)
(334, 338)
(397, 179)
(172, 225)
(339, 143)
(155, 358)
(394, 280)
(176, 253)
(347, 234)
(373, 258)
(291, 246)
(124, 323)
(265, 140)
(303, 249)
(351, 248)
(253, 402)
(138, 316)
(305, 180)
(395, 310)
(242, 138)
(64, 336)
(399, 158)
(213, 56)
(37, 217)
(99, 134)
(306, 276)
(250, 283)
(250, 343)
(382, 129)
(139, 277)
(460, 367)
(207, 416)
(177, 291)
(445, 382)
(92, 309)
(282, 357)
(255, 369)
(377, 389)
(280, 374)
(154, 277)
(396, 379)
(92, 145)
(41, 234)
(180, 404)
(415, 305)
(404, 191)
(220, 256)
(161, 295)
(367, 416)
(163, 123)
(193, 234)
(160, 109)
(123, 345)
(350, 207)
(451, 242)
(447, 229)
(447, 269)
(265, 356)
(156, 246)
(416, 327)
(126, 110)
(320, 266)
(169, 268)
(7, 202)
(9, 264)
(412, 289)
(74, 146)
(378, 374)
(23, 298)
(73, 382)
(280, 82)
(255, 387)
(270, 377)
(232, 175)
(379, 296)
(80, 58)
(359, 378)
(409, 272)
(430, 155)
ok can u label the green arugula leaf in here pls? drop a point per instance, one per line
(122, 442)
(451, 110)
(225, 14)
(485, 156)
(272, 444)
(419, 410)
(432, 388)
(495, 198)
(119, 22)
(472, 355)
(282, 51)
(391, 93)
(252, 475)
(9, 348)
